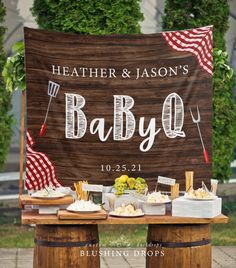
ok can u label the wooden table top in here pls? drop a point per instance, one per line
(32, 217)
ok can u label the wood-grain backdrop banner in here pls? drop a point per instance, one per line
(121, 71)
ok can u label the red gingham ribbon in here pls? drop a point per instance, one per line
(40, 171)
(196, 41)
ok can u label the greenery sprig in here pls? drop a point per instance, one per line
(14, 70)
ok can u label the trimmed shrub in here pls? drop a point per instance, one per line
(89, 17)
(84, 17)
(224, 120)
(187, 14)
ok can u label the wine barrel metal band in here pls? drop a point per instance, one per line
(65, 244)
(180, 244)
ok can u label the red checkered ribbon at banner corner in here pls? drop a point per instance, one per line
(40, 171)
(196, 41)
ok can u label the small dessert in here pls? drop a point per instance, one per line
(157, 197)
(127, 211)
(83, 206)
(48, 193)
(200, 193)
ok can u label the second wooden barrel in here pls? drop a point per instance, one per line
(62, 246)
(179, 246)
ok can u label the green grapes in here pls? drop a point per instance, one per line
(120, 188)
(125, 183)
(141, 180)
(140, 187)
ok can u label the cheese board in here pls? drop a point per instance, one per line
(28, 200)
(67, 215)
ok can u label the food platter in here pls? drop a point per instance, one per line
(42, 194)
(82, 206)
(125, 216)
(156, 203)
(157, 199)
(83, 211)
(126, 211)
(201, 199)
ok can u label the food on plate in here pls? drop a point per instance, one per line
(157, 197)
(200, 193)
(83, 195)
(124, 182)
(127, 211)
(48, 193)
(64, 190)
(83, 206)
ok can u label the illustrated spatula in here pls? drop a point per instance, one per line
(53, 89)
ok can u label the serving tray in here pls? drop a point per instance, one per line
(28, 200)
(67, 215)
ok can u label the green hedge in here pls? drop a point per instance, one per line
(187, 14)
(224, 120)
(6, 119)
(89, 17)
(191, 14)
(14, 69)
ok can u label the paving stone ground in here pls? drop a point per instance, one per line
(223, 257)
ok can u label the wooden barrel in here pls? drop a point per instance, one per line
(61, 246)
(179, 246)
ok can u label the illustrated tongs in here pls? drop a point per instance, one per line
(197, 121)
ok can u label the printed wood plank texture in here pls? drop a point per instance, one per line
(155, 71)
